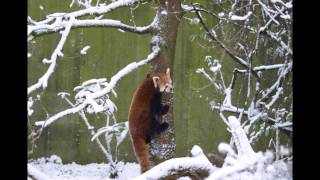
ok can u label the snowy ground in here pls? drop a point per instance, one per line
(55, 169)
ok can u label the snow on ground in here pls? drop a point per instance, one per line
(55, 169)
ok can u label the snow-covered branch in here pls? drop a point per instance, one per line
(282, 126)
(96, 10)
(246, 164)
(207, 76)
(114, 24)
(214, 37)
(66, 21)
(231, 170)
(269, 23)
(119, 130)
(241, 18)
(242, 162)
(60, 115)
(102, 8)
(279, 41)
(60, 20)
(198, 165)
(41, 29)
(263, 68)
(43, 81)
(228, 109)
(113, 82)
(283, 73)
(268, 10)
(240, 138)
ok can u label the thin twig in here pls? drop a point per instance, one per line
(227, 50)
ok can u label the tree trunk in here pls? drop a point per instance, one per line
(169, 13)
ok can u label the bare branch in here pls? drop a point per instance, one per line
(227, 50)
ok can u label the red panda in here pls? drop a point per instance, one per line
(145, 114)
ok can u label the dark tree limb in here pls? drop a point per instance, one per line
(223, 46)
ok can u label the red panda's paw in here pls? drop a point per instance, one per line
(148, 139)
(164, 109)
(164, 126)
(144, 169)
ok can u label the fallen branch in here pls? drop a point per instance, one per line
(197, 166)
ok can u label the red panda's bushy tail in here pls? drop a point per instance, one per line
(141, 151)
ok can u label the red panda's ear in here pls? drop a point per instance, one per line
(155, 79)
(168, 73)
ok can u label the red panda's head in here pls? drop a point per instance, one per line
(163, 81)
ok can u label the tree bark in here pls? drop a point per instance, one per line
(169, 13)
